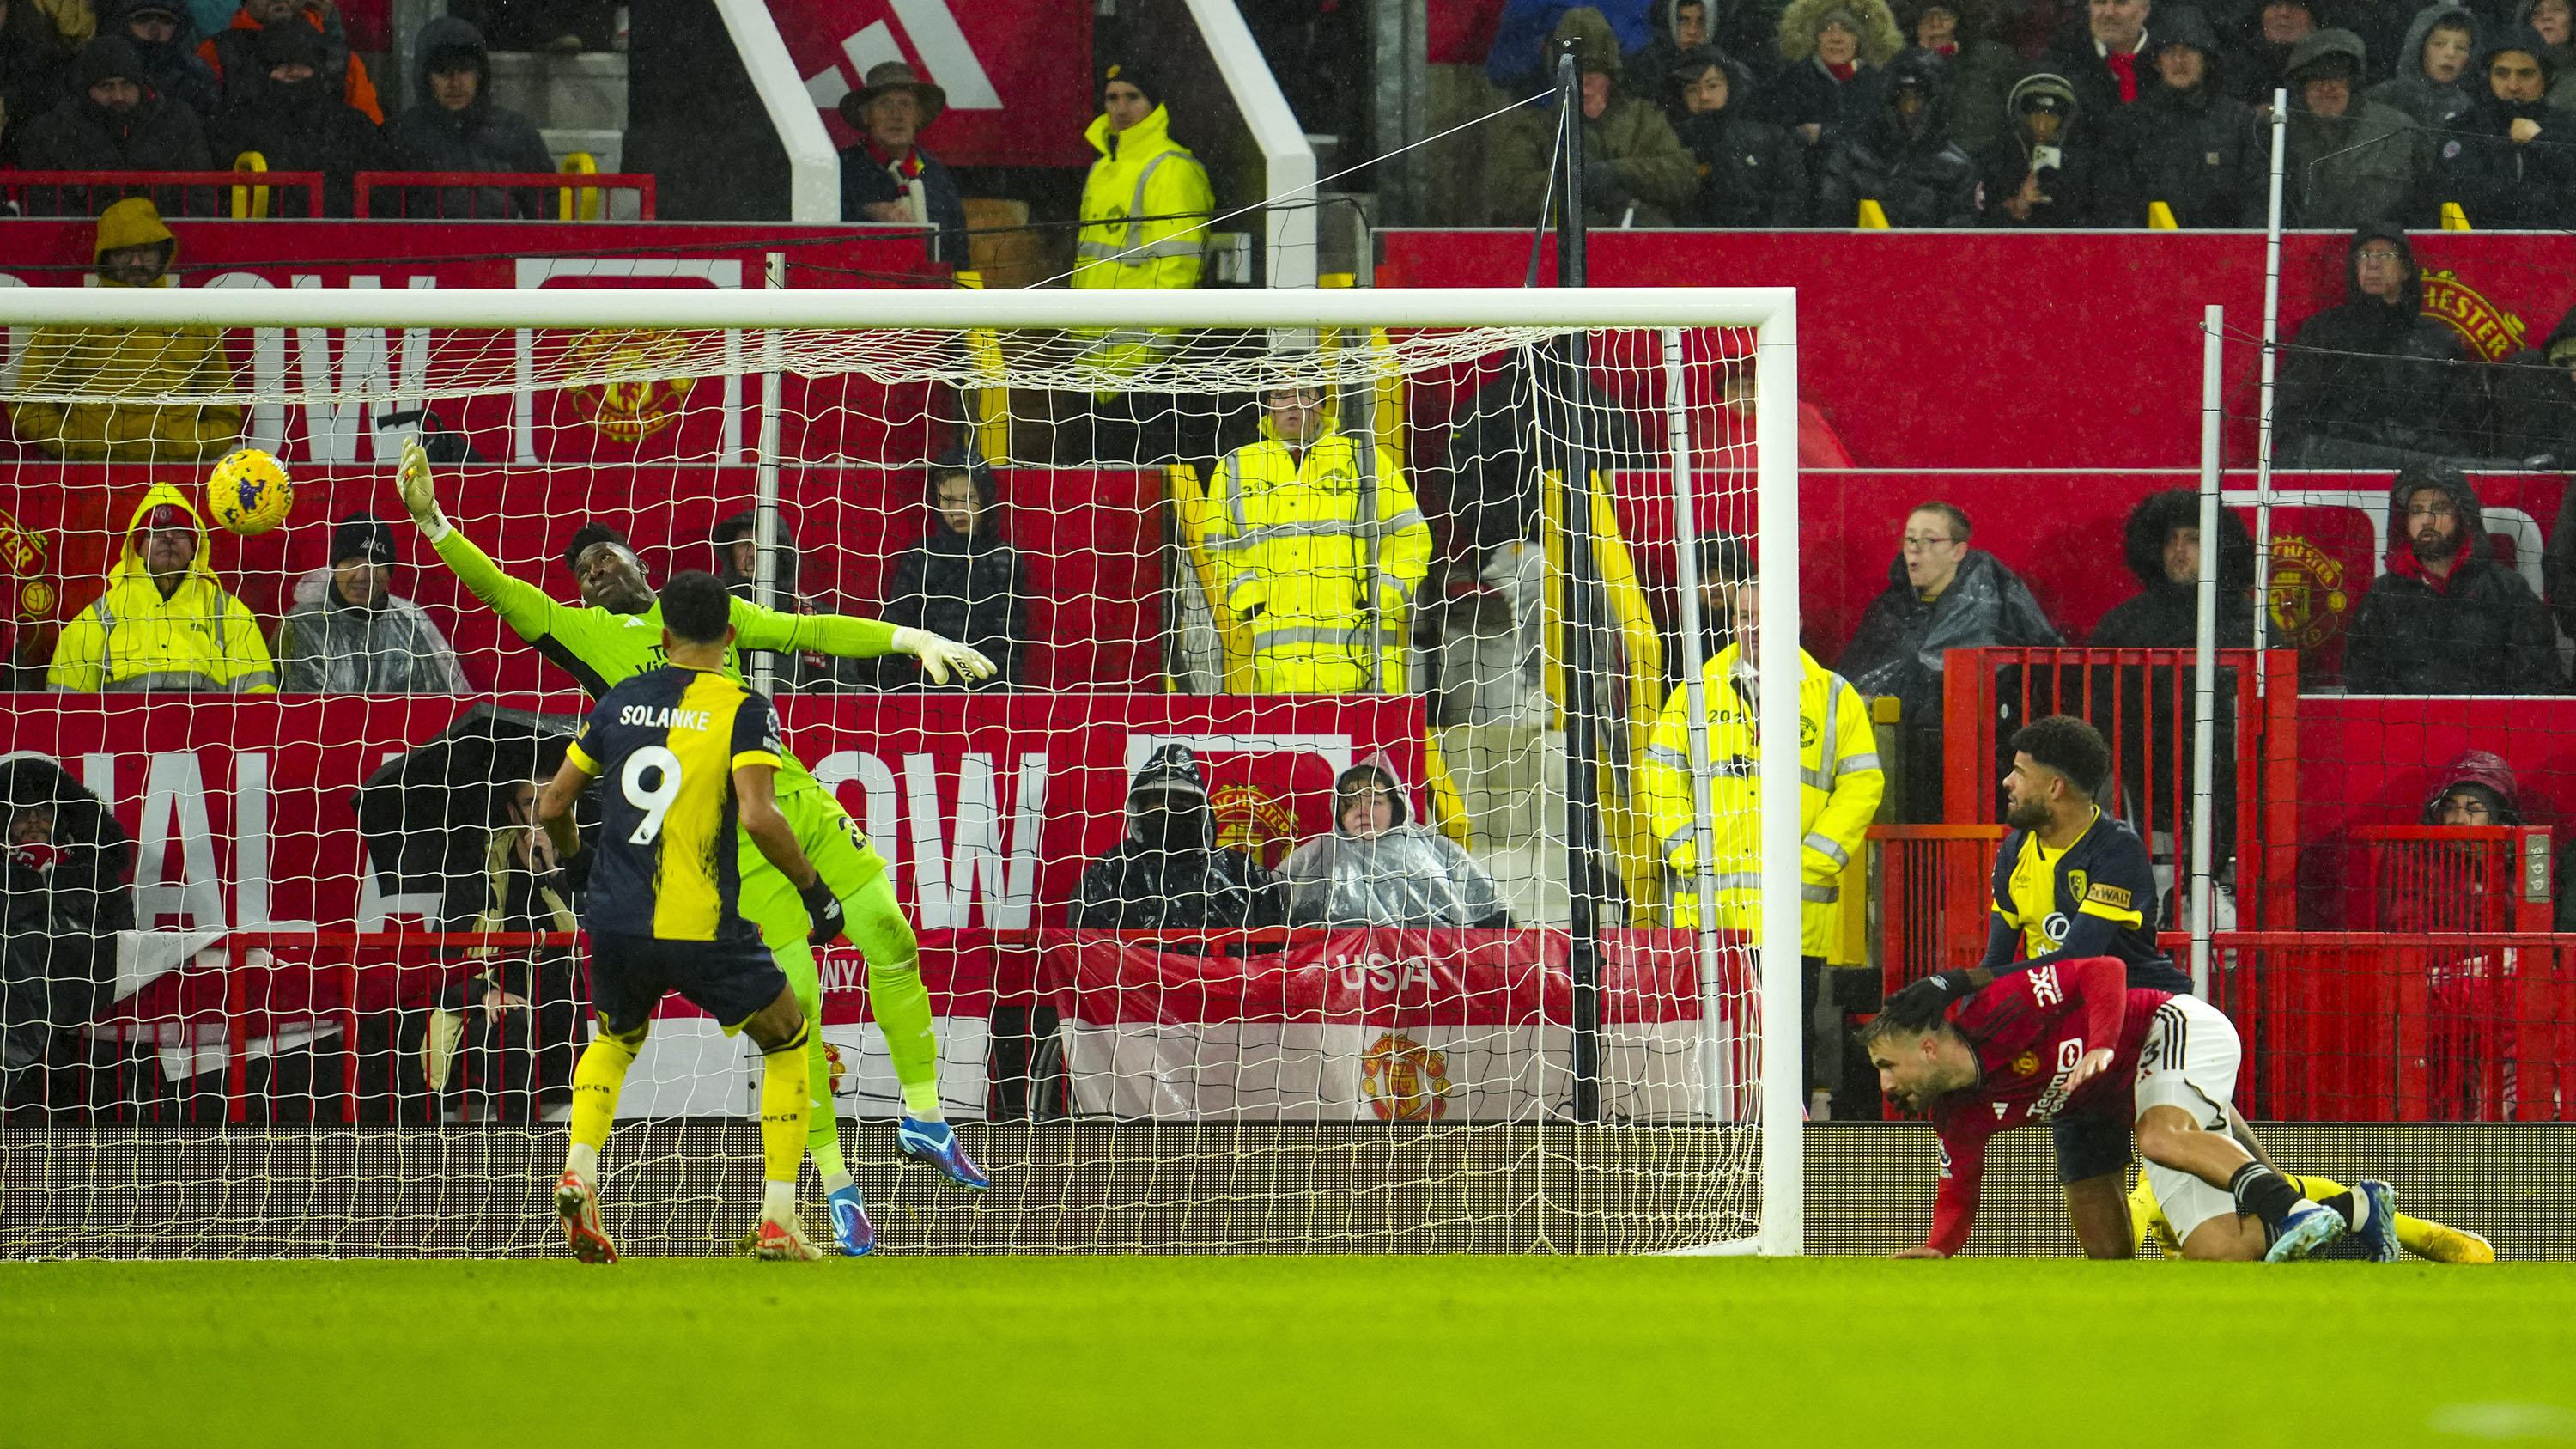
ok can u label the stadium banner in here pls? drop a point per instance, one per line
(711, 420)
(2003, 349)
(1088, 538)
(1017, 73)
(1385, 1025)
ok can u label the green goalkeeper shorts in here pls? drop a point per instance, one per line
(840, 852)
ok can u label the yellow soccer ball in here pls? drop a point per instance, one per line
(248, 492)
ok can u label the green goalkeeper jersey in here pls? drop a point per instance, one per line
(603, 650)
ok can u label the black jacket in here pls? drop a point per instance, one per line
(1908, 167)
(1169, 873)
(304, 127)
(2197, 151)
(2097, 86)
(970, 588)
(865, 179)
(171, 67)
(58, 917)
(482, 137)
(2167, 615)
(79, 134)
(2535, 413)
(1807, 94)
(1751, 173)
(2437, 106)
(2372, 372)
(2480, 632)
(2500, 183)
(1897, 648)
(2083, 187)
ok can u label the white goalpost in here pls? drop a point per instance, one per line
(326, 1030)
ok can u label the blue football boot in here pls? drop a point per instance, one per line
(851, 1230)
(2307, 1231)
(936, 1144)
(2380, 1230)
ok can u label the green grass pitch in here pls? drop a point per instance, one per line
(1324, 1353)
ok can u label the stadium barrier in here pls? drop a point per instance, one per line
(585, 196)
(177, 195)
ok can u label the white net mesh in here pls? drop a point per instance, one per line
(1245, 908)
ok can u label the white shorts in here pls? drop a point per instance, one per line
(2189, 1061)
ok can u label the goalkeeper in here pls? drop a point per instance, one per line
(616, 635)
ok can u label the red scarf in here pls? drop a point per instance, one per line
(2403, 563)
(908, 168)
(1951, 49)
(1841, 72)
(2126, 68)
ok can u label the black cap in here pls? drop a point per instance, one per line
(362, 535)
(293, 43)
(1134, 73)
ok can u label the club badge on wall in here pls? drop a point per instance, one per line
(2308, 600)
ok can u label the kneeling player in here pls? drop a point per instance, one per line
(2073, 1037)
(690, 755)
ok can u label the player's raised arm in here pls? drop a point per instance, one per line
(850, 637)
(527, 609)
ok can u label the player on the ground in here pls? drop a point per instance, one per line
(2070, 882)
(616, 635)
(2423, 1237)
(2072, 1037)
(690, 757)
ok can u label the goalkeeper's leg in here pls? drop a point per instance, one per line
(2423, 1237)
(896, 997)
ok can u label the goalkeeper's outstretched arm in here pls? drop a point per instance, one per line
(855, 638)
(527, 609)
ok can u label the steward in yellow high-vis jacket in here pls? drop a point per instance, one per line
(1289, 531)
(166, 621)
(1840, 784)
(1145, 210)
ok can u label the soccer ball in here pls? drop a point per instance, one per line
(248, 492)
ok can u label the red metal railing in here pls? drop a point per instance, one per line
(473, 195)
(2142, 702)
(2457, 877)
(1935, 891)
(241, 195)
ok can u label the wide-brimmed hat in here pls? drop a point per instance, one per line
(893, 75)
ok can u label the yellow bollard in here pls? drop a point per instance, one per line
(2454, 219)
(250, 202)
(2160, 217)
(581, 163)
(1873, 217)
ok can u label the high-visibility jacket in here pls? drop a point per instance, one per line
(199, 637)
(92, 366)
(1290, 537)
(1145, 209)
(1839, 787)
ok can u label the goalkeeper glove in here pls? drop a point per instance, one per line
(420, 490)
(1923, 1002)
(939, 657)
(824, 909)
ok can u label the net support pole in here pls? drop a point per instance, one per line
(2271, 359)
(1714, 1076)
(1784, 1148)
(2204, 662)
(1582, 734)
(764, 518)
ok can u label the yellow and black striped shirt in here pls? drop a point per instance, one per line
(667, 742)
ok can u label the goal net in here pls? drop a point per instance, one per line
(1356, 851)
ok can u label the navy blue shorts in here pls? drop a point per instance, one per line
(2089, 1146)
(728, 980)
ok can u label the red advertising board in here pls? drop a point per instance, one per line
(1017, 73)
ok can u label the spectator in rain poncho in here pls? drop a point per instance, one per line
(65, 898)
(1378, 868)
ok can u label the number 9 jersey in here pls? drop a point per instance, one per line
(665, 744)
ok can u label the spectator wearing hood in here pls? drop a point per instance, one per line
(1521, 61)
(1378, 867)
(2446, 618)
(1941, 595)
(1168, 873)
(2511, 161)
(297, 119)
(456, 126)
(1982, 68)
(2553, 20)
(1751, 173)
(2349, 160)
(888, 176)
(735, 542)
(2106, 56)
(1902, 159)
(1635, 172)
(2047, 170)
(2261, 65)
(1834, 54)
(2535, 413)
(164, 37)
(35, 76)
(239, 70)
(165, 621)
(354, 635)
(2375, 383)
(97, 364)
(1682, 27)
(2434, 77)
(65, 860)
(112, 121)
(2188, 143)
(964, 580)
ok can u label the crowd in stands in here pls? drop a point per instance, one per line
(2107, 113)
(140, 89)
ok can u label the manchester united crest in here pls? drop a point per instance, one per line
(2493, 333)
(629, 409)
(2308, 598)
(1404, 1080)
(1254, 821)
